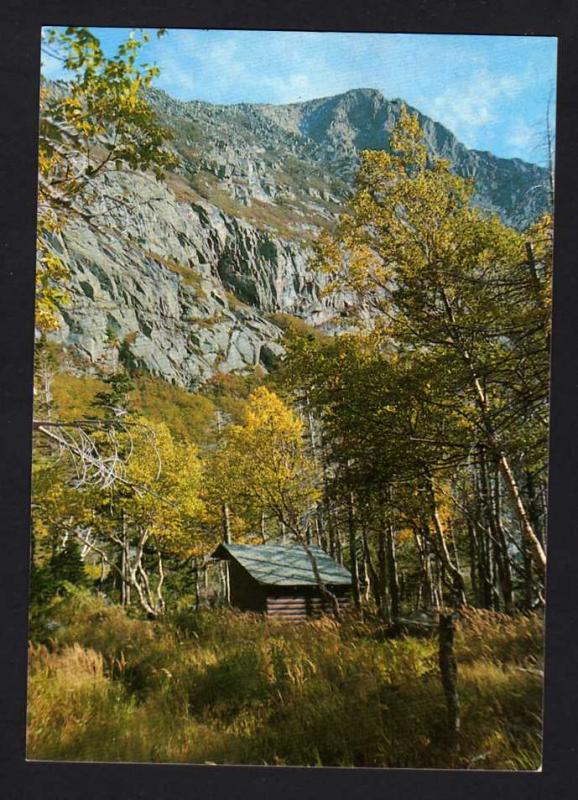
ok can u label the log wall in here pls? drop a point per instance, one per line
(301, 606)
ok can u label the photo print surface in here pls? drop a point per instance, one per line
(291, 398)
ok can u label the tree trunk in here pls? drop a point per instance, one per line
(538, 552)
(353, 562)
(490, 496)
(333, 538)
(226, 516)
(124, 566)
(528, 576)
(288, 520)
(534, 512)
(473, 555)
(263, 531)
(382, 589)
(325, 591)
(483, 544)
(457, 584)
(318, 458)
(123, 582)
(426, 594)
(449, 677)
(393, 580)
(504, 557)
(196, 586)
(375, 584)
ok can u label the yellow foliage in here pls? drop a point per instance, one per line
(167, 474)
(262, 465)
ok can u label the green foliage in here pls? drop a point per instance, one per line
(100, 121)
(234, 688)
(60, 575)
(114, 399)
(67, 565)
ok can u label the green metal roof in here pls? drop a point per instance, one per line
(285, 565)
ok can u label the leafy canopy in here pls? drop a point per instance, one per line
(262, 465)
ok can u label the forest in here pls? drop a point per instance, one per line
(412, 447)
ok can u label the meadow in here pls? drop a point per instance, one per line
(224, 687)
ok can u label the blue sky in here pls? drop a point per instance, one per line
(491, 91)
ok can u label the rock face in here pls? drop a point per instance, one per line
(161, 289)
(204, 259)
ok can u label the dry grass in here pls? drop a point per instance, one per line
(190, 276)
(501, 638)
(290, 324)
(234, 688)
(286, 221)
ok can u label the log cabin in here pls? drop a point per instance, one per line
(278, 580)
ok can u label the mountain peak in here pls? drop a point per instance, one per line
(361, 93)
(355, 120)
(350, 98)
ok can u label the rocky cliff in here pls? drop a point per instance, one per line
(207, 257)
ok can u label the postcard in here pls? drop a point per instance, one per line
(291, 398)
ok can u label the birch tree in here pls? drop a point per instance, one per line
(449, 282)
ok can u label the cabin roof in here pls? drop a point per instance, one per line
(285, 565)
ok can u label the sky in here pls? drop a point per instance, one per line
(492, 92)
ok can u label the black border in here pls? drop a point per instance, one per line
(19, 69)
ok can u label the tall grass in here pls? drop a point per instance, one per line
(224, 687)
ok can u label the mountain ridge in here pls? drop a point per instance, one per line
(331, 131)
(369, 91)
(213, 253)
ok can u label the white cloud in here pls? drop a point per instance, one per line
(472, 105)
(242, 66)
(521, 136)
(176, 77)
(289, 90)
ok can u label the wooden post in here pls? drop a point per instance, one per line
(196, 584)
(449, 677)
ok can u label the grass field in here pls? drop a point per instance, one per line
(224, 687)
